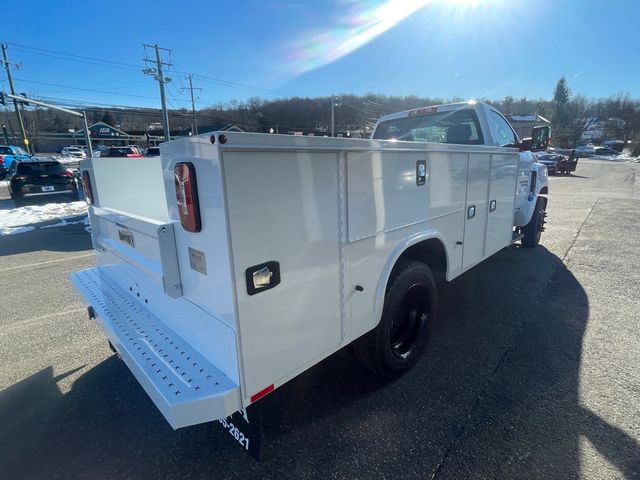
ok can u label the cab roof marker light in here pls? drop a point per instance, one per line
(422, 111)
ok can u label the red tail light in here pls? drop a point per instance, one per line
(184, 175)
(86, 186)
(67, 173)
(1, 160)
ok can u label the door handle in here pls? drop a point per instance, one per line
(471, 212)
(492, 206)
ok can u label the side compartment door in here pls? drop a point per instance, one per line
(284, 226)
(475, 213)
(504, 174)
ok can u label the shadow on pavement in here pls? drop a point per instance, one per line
(68, 238)
(495, 396)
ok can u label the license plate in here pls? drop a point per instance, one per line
(125, 236)
(48, 188)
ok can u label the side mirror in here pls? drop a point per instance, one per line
(540, 138)
(525, 145)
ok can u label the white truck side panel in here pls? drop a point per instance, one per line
(372, 258)
(476, 209)
(502, 184)
(388, 212)
(284, 207)
(214, 291)
(383, 194)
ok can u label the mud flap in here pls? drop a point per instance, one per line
(244, 427)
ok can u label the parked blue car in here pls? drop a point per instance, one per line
(9, 153)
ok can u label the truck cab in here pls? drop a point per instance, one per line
(476, 123)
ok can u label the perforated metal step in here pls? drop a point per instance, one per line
(186, 387)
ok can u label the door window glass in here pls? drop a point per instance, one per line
(503, 132)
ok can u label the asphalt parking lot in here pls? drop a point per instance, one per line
(531, 372)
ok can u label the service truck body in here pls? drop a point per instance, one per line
(297, 240)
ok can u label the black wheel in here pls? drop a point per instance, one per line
(398, 341)
(19, 201)
(533, 230)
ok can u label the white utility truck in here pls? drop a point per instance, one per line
(235, 261)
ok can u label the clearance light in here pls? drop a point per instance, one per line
(422, 111)
(184, 175)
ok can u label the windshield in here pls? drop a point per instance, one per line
(12, 151)
(459, 126)
(49, 168)
(121, 151)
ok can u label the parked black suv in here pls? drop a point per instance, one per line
(39, 177)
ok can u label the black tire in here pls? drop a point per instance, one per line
(19, 201)
(533, 230)
(410, 306)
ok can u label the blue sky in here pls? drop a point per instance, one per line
(436, 48)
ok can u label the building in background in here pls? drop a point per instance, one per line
(523, 124)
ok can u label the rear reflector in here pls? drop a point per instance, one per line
(86, 186)
(262, 393)
(184, 175)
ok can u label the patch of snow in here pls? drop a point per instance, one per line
(4, 183)
(39, 213)
(14, 230)
(62, 223)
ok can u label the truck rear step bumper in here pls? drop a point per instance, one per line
(185, 387)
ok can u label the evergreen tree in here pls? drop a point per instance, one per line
(561, 121)
(561, 93)
(107, 118)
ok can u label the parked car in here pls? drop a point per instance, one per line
(41, 177)
(130, 152)
(8, 154)
(100, 151)
(153, 152)
(585, 150)
(557, 163)
(73, 152)
(605, 151)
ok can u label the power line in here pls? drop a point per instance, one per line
(130, 66)
(86, 89)
(78, 57)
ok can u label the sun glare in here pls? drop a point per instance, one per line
(366, 21)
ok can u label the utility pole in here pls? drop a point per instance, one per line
(193, 103)
(365, 119)
(158, 75)
(335, 102)
(7, 66)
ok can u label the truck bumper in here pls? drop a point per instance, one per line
(185, 387)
